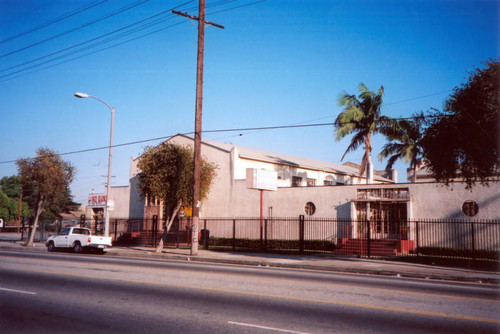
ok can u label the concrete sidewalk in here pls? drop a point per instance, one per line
(324, 263)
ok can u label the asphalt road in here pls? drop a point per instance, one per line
(62, 292)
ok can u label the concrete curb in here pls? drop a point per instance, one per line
(471, 275)
(385, 268)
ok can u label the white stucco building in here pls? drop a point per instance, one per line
(229, 195)
(335, 191)
(322, 190)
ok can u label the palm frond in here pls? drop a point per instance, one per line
(356, 141)
(392, 160)
(360, 117)
(405, 135)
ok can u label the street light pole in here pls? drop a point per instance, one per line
(110, 157)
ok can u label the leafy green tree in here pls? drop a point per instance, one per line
(46, 180)
(63, 204)
(405, 137)
(361, 117)
(10, 192)
(167, 174)
(463, 141)
(11, 186)
(7, 207)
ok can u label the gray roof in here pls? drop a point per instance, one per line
(288, 160)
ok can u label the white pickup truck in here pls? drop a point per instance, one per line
(79, 239)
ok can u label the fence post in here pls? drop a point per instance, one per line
(301, 234)
(265, 234)
(416, 237)
(116, 229)
(234, 234)
(368, 238)
(42, 230)
(205, 243)
(155, 230)
(473, 241)
(179, 228)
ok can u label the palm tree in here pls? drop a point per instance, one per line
(405, 136)
(361, 117)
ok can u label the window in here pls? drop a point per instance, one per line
(376, 193)
(470, 208)
(153, 201)
(328, 182)
(65, 232)
(81, 231)
(310, 208)
(296, 181)
(311, 182)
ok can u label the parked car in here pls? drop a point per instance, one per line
(78, 239)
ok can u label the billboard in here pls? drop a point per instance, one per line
(262, 179)
(96, 201)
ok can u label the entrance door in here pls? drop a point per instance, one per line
(388, 220)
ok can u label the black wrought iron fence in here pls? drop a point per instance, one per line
(472, 239)
(376, 238)
(479, 239)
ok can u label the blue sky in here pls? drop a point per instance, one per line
(275, 63)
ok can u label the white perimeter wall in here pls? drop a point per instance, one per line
(428, 200)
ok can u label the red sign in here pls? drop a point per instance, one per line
(96, 201)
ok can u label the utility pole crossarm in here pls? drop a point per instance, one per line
(192, 17)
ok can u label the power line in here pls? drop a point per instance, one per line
(236, 7)
(277, 127)
(23, 72)
(87, 54)
(91, 40)
(27, 12)
(57, 19)
(418, 97)
(102, 18)
(105, 147)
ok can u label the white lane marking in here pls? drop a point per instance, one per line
(264, 327)
(18, 291)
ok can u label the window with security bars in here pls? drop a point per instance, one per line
(470, 208)
(311, 182)
(296, 181)
(310, 208)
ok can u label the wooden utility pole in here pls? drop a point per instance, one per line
(197, 120)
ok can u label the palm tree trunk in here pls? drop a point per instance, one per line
(368, 152)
